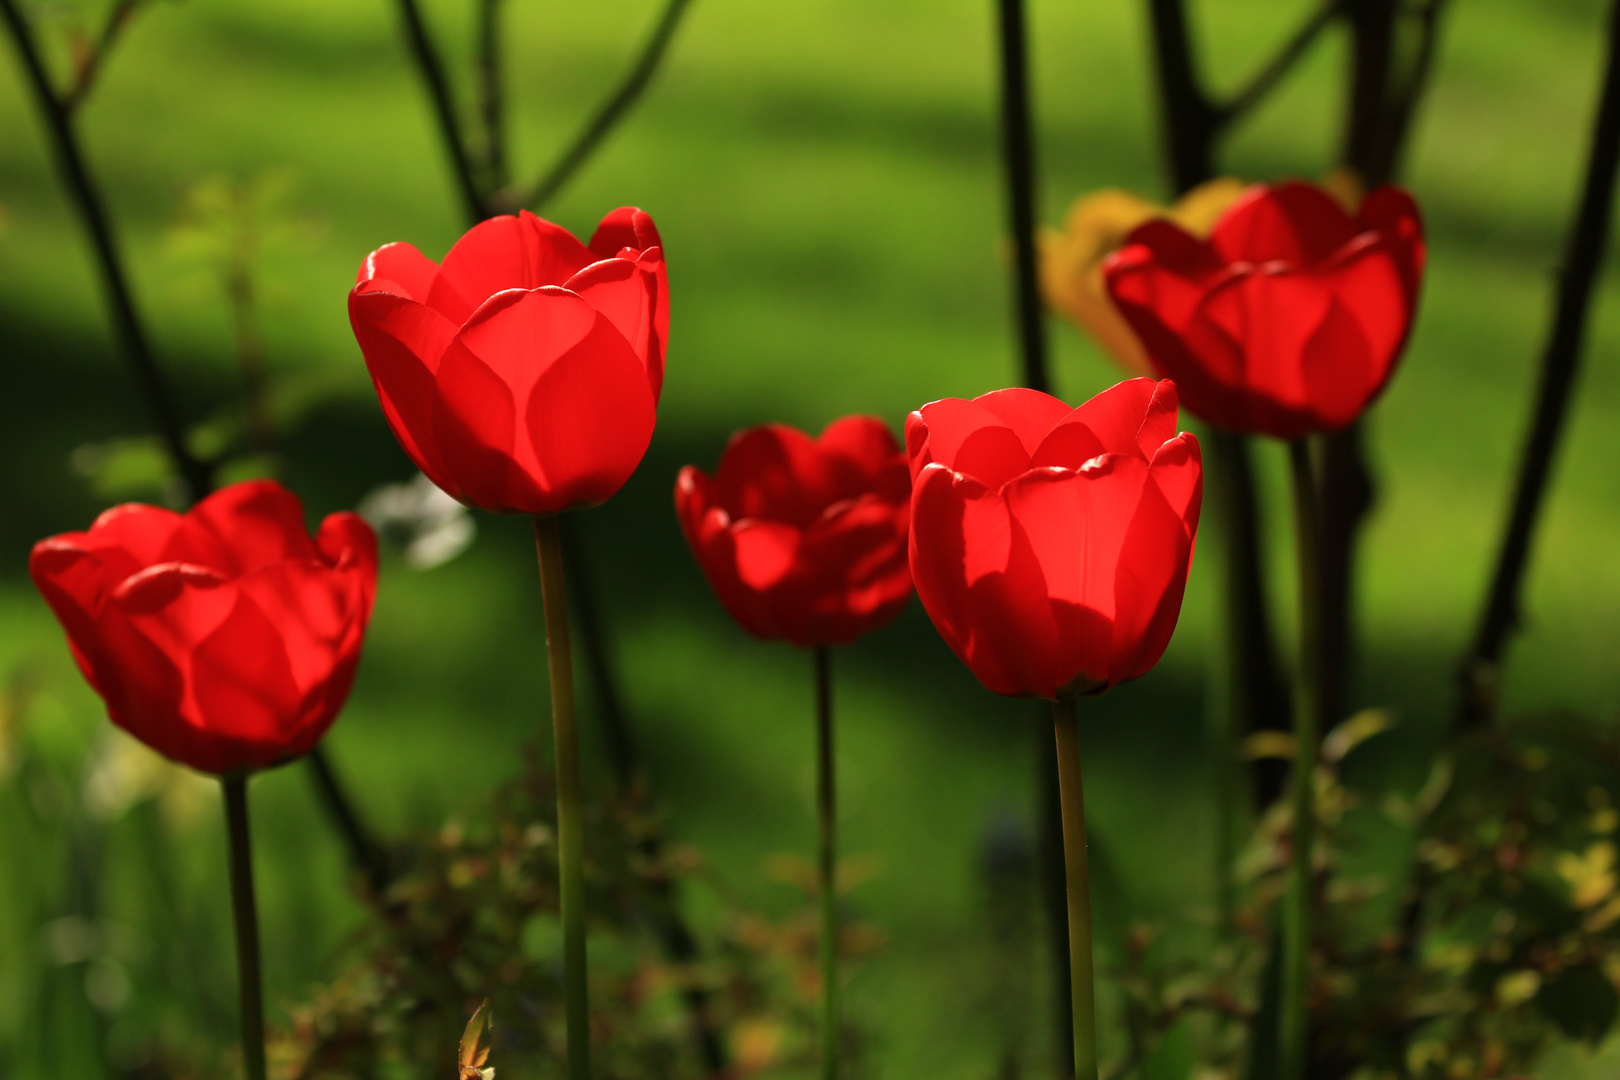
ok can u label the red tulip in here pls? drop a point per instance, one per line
(224, 638)
(801, 538)
(1289, 319)
(521, 375)
(1051, 545)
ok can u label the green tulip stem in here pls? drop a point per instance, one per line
(247, 924)
(1077, 863)
(570, 824)
(1293, 1025)
(827, 863)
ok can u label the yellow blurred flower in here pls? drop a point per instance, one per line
(1097, 224)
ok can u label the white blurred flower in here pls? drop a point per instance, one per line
(423, 523)
(121, 772)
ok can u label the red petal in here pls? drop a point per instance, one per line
(1157, 556)
(626, 227)
(402, 342)
(242, 528)
(1294, 223)
(969, 438)
(523, 252)
(865, 458)
(400, 265)
(628, 294)
(765, 551)
(1393, 214)
(776, 472)
(981, 585)
(1030, 413)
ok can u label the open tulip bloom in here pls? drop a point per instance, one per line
(1289, 318)
(226, 639)
(1051, 547)
(805, 540)
(522, 376)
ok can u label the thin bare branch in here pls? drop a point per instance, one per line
(610, 112)
(92, 210)
(491, 101)
(1266, 79)
(428, 63)
(95, 58)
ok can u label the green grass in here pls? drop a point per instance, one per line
(825, 178)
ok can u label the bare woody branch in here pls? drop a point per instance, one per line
(1264, 81)
(88, 65)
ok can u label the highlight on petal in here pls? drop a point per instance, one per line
(401, 269)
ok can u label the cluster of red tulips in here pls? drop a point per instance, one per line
(1050, 545)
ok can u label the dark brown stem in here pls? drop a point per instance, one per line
(1191, 122)
(1261, 84)
(120, 300)
(89, 67)
(491, 99)
(1560, 364)
(455, 144)
(609, 112)
(364, 854)
(1018, 158)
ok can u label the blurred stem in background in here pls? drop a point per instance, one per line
(1293, 1026)
(1560, 364)
(570, 813)
(57, 110)
(1083, 992)
(827, 862)
(1018, 159)
(250, 981)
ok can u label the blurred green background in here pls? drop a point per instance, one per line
(825, 177)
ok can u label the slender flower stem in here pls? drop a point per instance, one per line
(570, 824)
(1293, 1028)
(247, 925)
(1067, 729)
(455, 142)
(827, 862)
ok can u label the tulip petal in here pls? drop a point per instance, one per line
(626, 227)
(967, 437)
(1030, 413)
(522, 252)
(76, 583)
(1157, 555)
(865, 458)
(1076, 523)
(765, 551)
(242, 528)
(773, 471)
(627, 292)
(980, 582)
(1294, 223)
(402, 342)
(401, 265)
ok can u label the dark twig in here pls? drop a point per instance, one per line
(427, 61)
(1403, 107)
(609, 113)
(1191, 123)
(89, 65)
(1018, 157)
(1266, 79)
(197, 474)
(1560, 364)
(491, 99)
(92, 211)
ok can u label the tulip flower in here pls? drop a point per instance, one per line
(1051, 545)
(803, 539)
(522, 374)
(1289, 319)
(1096, 225)
(224, 638)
